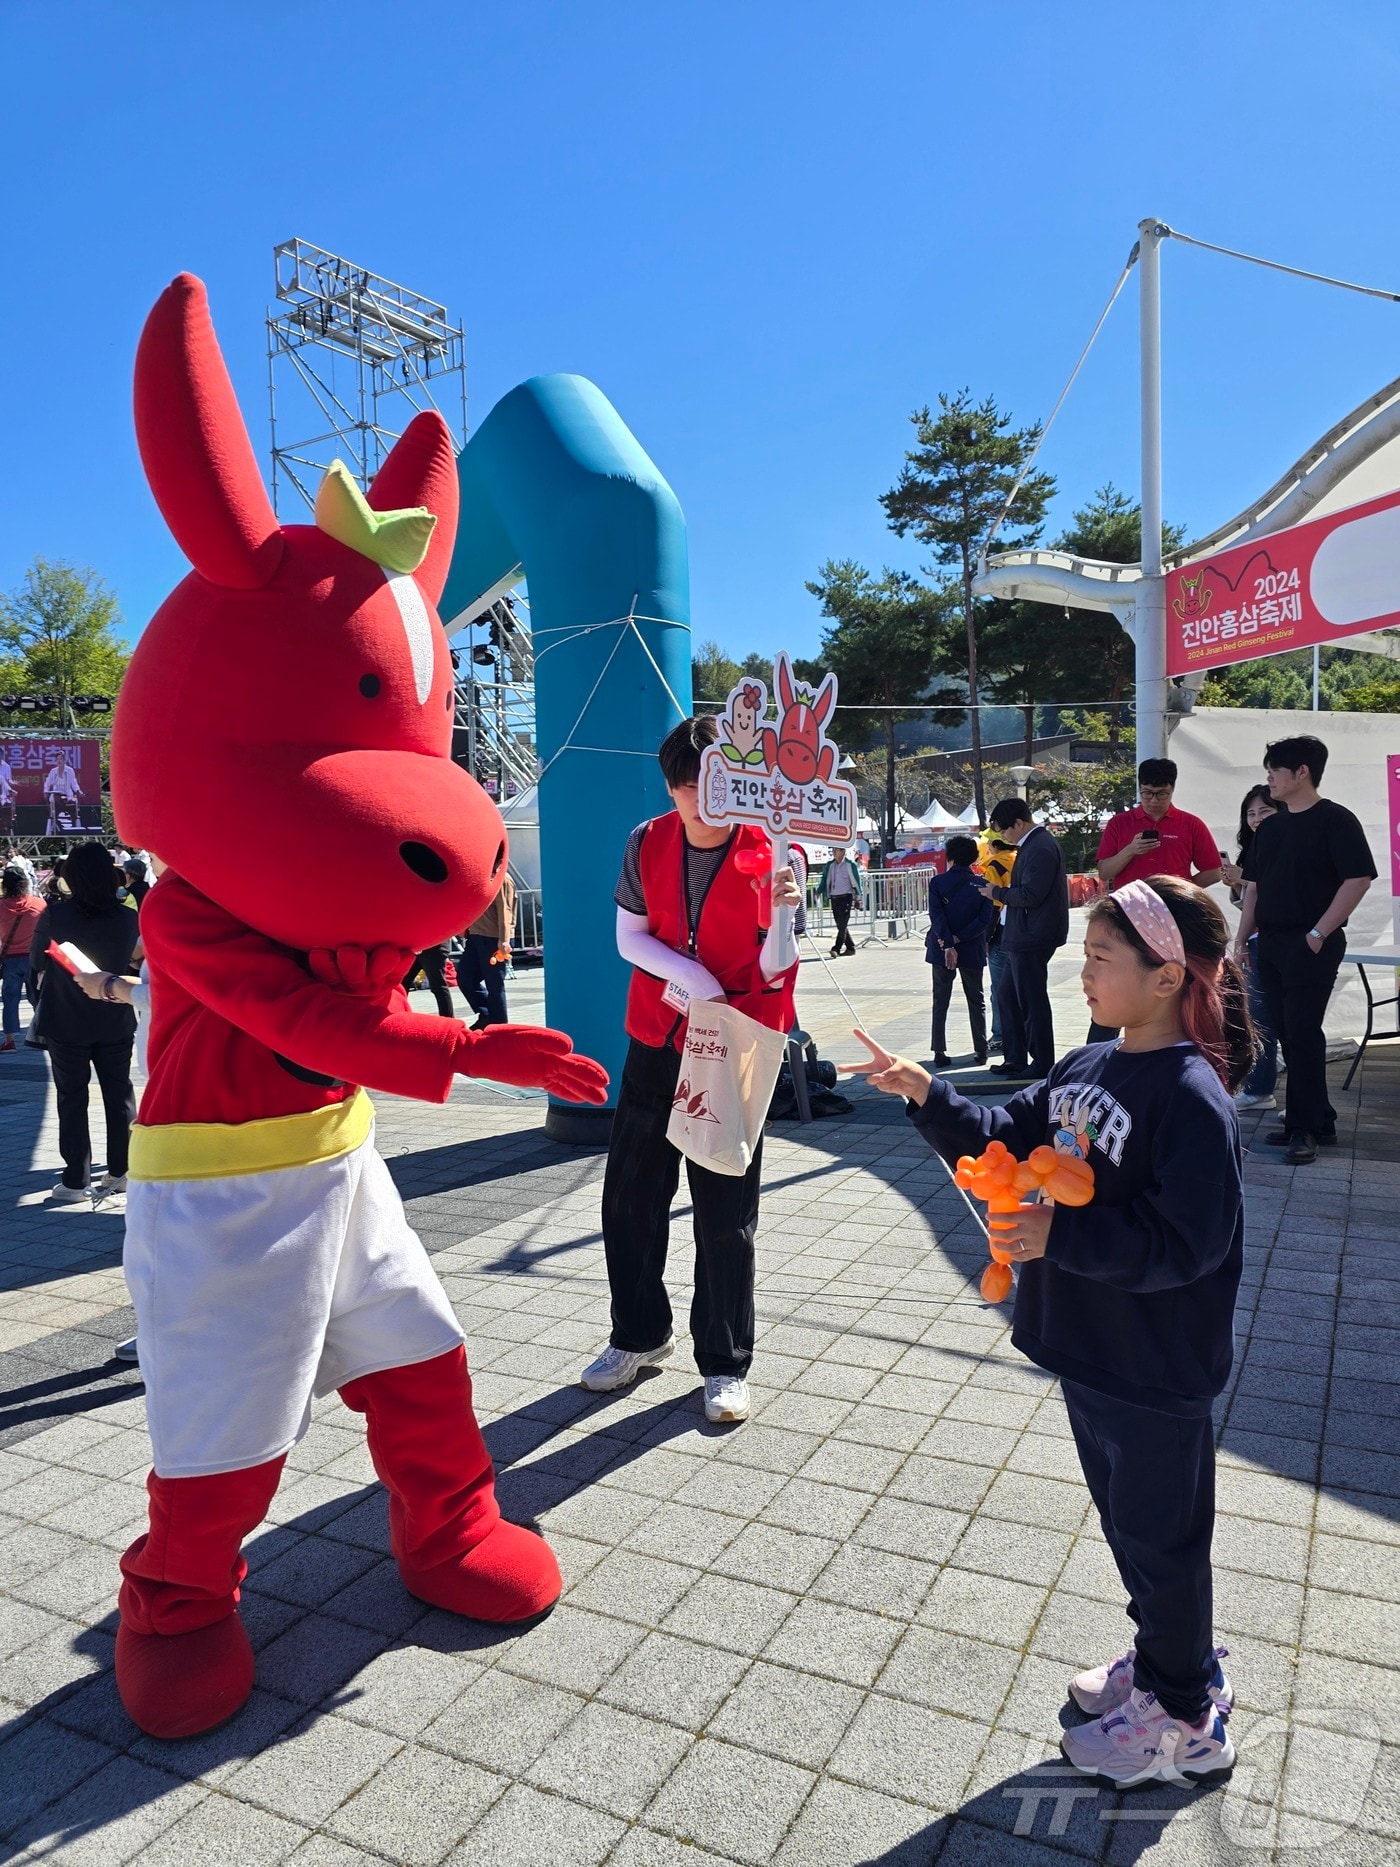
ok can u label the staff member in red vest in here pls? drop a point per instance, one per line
(688, 921)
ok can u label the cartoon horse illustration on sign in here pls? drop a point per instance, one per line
(799, 748)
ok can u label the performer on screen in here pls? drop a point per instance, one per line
(64, 793)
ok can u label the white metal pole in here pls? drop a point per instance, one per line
(1151, 622)
(1316, 654)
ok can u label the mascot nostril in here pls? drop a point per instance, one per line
(424, 861)
(500, 858)
(253, 1165)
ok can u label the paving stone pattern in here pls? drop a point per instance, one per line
(839, 1634)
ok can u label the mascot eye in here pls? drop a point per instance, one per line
(369, 685)
(500, 858)
(450, 698)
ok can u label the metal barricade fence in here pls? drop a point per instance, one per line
(895, 906)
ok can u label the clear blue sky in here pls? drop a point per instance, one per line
(767, 230)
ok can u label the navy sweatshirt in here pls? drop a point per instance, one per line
(1135, 1295)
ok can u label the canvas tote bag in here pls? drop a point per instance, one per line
(729, 1069)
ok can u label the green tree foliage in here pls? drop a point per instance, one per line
(1077, 797)
(1087, 655)
(955, 481)
(59, 634)
(885, 640)
(1378, 696)
(1286, 681)
(713, 673)
(1276, 681)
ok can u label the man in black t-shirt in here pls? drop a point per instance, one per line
(1307, 868)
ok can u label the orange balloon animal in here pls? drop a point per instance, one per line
(997, 1177)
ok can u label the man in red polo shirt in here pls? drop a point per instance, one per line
(1154, 838)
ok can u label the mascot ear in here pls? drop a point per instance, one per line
(195, 448)
(422, 471)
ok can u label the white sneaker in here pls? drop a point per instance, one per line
(726, 1398)
(1141, 1743)
(1103, 1689)
(1242, 1101)
(69, 1195)
(111, 1183)
(619, 1367)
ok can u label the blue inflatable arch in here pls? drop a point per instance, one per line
(556, 489)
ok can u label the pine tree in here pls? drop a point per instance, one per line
(953, 486)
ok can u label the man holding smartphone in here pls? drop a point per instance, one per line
(1154, 838)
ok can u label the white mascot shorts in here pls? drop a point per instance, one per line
(258, 1292)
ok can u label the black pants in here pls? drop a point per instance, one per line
(1152, 1477)
(432, 959)
(638, 1187)
(971, 977)
(1027, 1028)
(71, 1065)
(1297, 985)
(841, 906)
(1100, 1033)
(483, 983)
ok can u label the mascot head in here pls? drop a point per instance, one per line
(284, 732)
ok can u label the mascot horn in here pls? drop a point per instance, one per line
(282, 746)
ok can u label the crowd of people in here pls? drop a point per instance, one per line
(1302, 867)
(1127, 1300)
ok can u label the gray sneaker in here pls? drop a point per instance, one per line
(126, 1352)
(726, 1398)
(619, 1367)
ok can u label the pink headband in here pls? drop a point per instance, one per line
(1152, 918)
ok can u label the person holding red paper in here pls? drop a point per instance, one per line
(267, 1252)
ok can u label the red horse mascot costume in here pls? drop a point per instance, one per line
(282, 745)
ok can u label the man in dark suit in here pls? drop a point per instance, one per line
(1035, 925)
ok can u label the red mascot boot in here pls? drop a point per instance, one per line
(184, 1663)
(453, 1548)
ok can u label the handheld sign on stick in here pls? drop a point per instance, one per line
(778, 773)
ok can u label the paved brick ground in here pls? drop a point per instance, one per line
(839, 1634)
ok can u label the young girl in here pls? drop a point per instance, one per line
(1130, 1299)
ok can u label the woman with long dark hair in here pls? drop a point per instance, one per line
(1257, 1091)
(82, 1037)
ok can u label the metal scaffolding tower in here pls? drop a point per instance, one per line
(495, 713)
(351, 358)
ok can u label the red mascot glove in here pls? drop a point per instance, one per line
(529, 1056)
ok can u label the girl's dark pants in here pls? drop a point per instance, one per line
(642, 1175)
(1152, 1476)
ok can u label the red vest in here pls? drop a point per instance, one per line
(727, 940)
